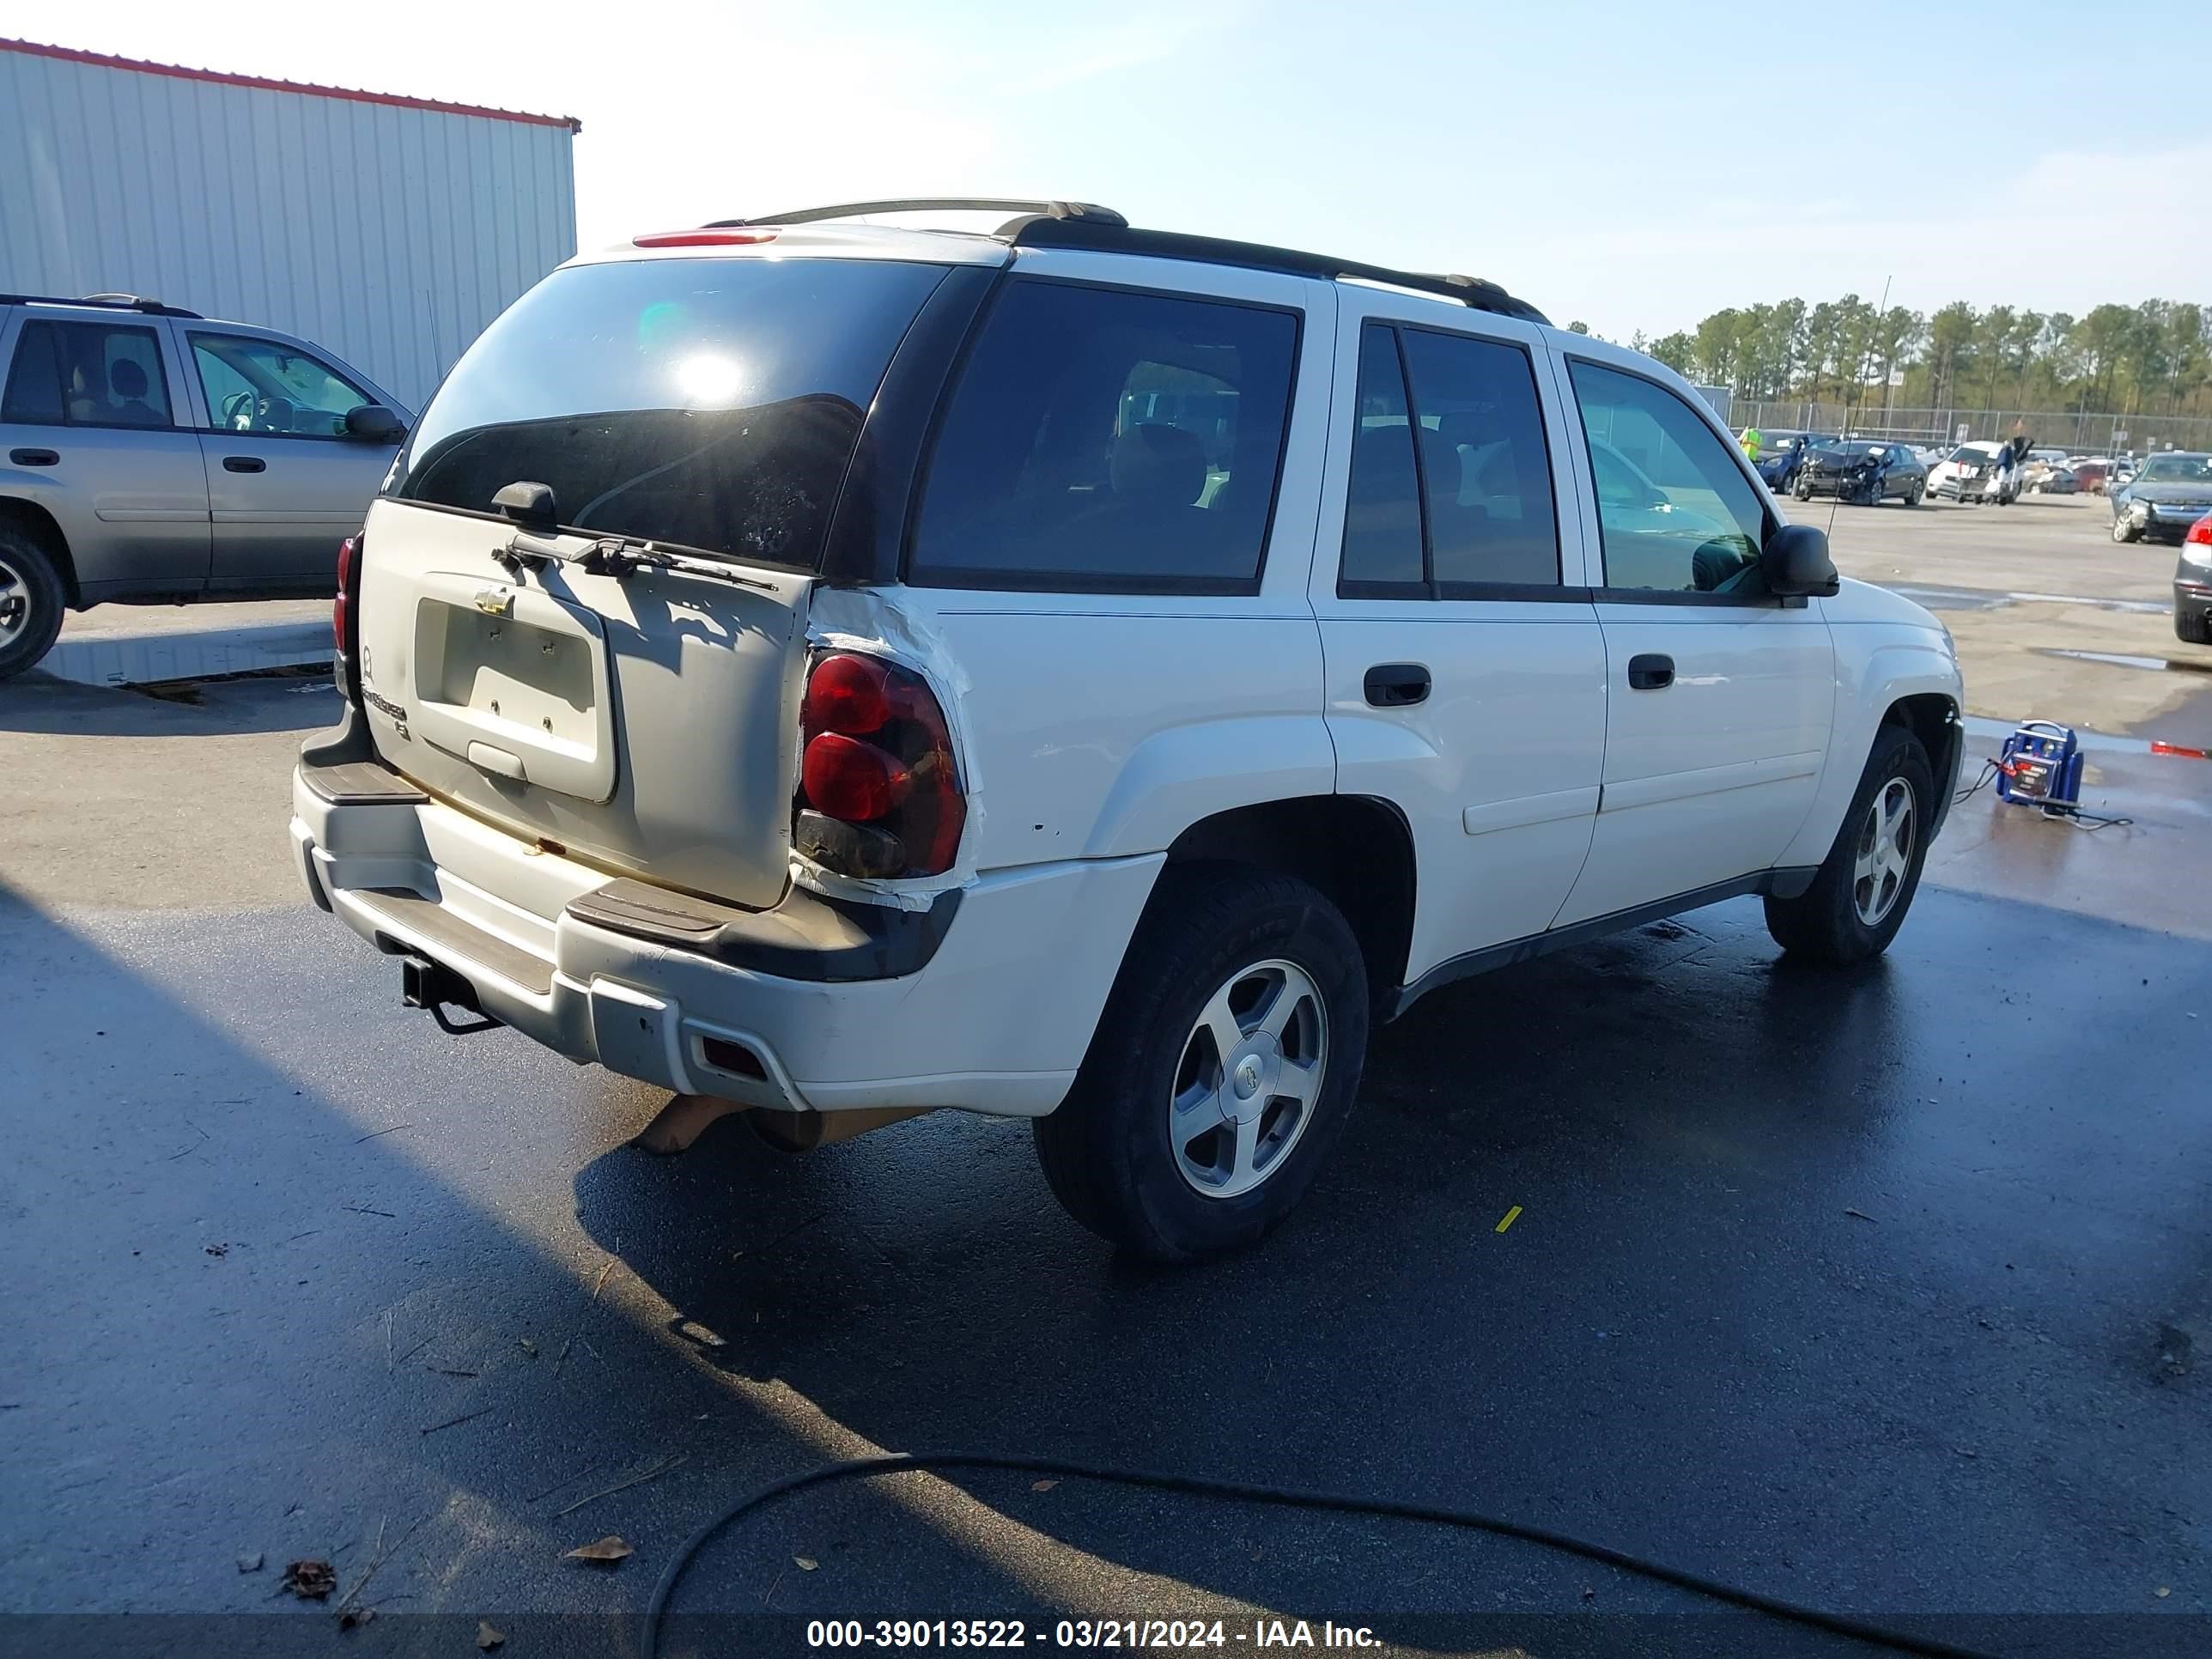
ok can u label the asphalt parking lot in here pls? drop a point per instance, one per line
(2053, 618)
(1888, 1292)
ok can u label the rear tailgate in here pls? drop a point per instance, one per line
(703, 404)
(646, 722)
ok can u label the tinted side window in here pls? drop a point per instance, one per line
(86, 374)
(1674, 510)
(1486, 470)
(34, 380)
(1102, 438)
(1382, 509)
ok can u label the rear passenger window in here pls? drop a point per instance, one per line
(1453, 499)
(1485, 469)
(86, 375)
(1674, 510)
(1105, 438)
(1383, 509)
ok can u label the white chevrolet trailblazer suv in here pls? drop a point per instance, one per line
(1079, 673)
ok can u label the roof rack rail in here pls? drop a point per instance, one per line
(109, 301)
(1027, 211)
(1100, 229)
(1470, 291)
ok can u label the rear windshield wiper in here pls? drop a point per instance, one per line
(617, 556)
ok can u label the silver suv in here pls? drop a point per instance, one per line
(148, 453)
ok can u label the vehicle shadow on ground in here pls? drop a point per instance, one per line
(38, 704)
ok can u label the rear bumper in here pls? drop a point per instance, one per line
(986, 1001)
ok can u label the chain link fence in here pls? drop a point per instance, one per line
(2076, 432)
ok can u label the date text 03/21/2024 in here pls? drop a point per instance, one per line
(1128, 1633)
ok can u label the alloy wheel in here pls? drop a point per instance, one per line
(15, 604)
(1250, 1078)
(1885, 852)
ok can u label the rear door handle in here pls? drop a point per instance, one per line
(1650, 672)
(244, 463)
(1397, 684)
(35, 457)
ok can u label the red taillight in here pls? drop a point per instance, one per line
(847, 694)
(341, 606)
(848, 779)
(879, 791)
(707, 236)
(2201, 532)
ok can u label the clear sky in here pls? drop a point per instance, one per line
(1635, 166)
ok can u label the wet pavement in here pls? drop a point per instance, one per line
(1886, 1291)
(2046, 608)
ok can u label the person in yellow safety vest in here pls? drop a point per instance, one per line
(1751, 442)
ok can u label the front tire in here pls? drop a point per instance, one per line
(1223, 1068)
(2126, 529)
(1858, 900)
(31, 600)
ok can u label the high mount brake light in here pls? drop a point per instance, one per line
(731, 237)
(879, 789)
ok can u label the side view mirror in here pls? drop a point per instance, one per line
(1795, 563)
(374, 424)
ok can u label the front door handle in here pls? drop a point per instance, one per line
(1650, 672)
(35, 457)
(244, 463)
(1397, 684)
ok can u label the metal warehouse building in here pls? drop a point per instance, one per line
(388, 229)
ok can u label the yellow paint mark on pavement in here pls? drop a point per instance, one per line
(1511, 1216)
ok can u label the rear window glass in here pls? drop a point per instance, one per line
(1484, 465)
(86, 374)
(1106, 439)
(709, 404)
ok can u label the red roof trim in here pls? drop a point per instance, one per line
(70, 54)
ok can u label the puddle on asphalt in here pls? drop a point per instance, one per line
(2120, 659)
(1974, 599)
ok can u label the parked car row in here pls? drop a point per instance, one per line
(152, 453)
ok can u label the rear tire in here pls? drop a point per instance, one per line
(2193, 626)
(1140, 1152)
(1858, 900)
(32, 601)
